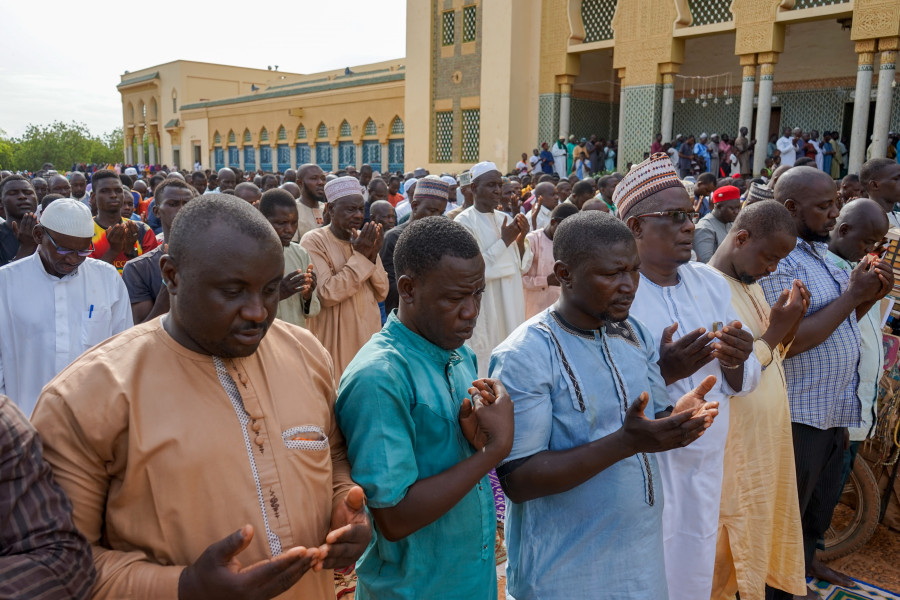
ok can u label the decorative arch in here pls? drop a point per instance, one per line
(264, 135)
(282, 133)
(397, 126)
(129, 111)
(142, 111)
(345, 130)
(369, 129)
(232, 139)
(154, 109)
(217, 139)
(301, 132)
(322, 131)
(247, 137)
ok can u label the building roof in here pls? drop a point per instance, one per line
(141, 79)
(310, 86)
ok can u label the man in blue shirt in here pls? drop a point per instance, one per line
(702, 151)
(822, 363)
(417, 443)
(586, 512)
(546, 159)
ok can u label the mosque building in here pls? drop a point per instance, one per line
(501, 76)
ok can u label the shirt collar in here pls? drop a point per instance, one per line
(411, 339)
(39, 265)
(817, 249)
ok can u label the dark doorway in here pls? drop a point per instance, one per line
(848, 122)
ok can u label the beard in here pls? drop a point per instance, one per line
(746, 279)
(811, 236)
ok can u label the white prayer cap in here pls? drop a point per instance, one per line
(449, 180)
(482, 168)
(131, 171)
(703, 136)
(342, 186)
(68, 216)
(408, 184)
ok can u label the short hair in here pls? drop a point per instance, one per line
(805, 161)
(873, 169)
(851, 178)
(765, 218)
(201, 214)
(267, 177)
(13, 177)
(102, 174)
(48, 199)
(197, 175)
(706, 178)
(172, 182)
(126, 180)
(563, 210)
(426, 241)
(156, 180)
(582, 236)
(276, 197)
(582, 187)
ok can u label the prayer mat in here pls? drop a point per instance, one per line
(863, 591)
(345, 583)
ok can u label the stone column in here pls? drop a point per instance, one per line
(565, 109)
(748, 87)
(129, 149)
(241, 157)
(139, 135)
(886, 69)
(668, 106)
(152, 147)
(357, 155)
(764, 108)
(865, 51)
(620, 163)
(385, 159)
(334, 157)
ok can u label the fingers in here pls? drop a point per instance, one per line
(227, 548)
(705, 386)
(465, 410)
(279, 572)
(505, 219)
(355, 498)
(696, 342)
(783, 298)
(636, 410)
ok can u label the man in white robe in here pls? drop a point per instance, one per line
(507, 256)
(559, 153)
(708, 340)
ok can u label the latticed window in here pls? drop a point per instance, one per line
(282, 134)
(448, 28)
(397, 126)
(247, 138)
(801, 4)
(231, 137)
(301, 133)
(370, 128)
(264, 135)
(596, 15)
(705, 12)
(469, 23)
(471, 131)
(443, 136)
(345, 129)
(217, 138)
(323, 131)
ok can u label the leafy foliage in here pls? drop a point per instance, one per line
(62, 144)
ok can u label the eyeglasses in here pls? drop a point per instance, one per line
(677, 216)
(64, 251)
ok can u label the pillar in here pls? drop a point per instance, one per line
(565, 109)
(764, 108)
(334, 157)
(748, 88)
(152, 147)
(668, 107)
(129, 149)
(357, 155)
(384, 157)
(241, 157)
(620, 162)
(140, 144)
(865, 51)
(886, 69)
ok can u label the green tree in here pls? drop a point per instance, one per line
(6, 151)
(63, 144)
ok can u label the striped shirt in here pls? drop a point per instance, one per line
(822, 381)
(42, 554)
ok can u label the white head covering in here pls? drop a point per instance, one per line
(342, 186)
(482, 168)
(68, 217)
(408, 184)
(449, 180)
(131, 171)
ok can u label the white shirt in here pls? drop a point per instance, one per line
(47, 321)
(692, 476)
(402, 209)
(543, 218)
(788, 151)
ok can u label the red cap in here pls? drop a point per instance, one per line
(726, 192)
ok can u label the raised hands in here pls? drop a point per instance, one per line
(685, 357)
(350, 533)
(24, 231)
(122, 237)
(515, 231)
(733, 345)
(218, 572)
(487, 419)
(535, 209)
(786, 314)
(367, 241)
(298, 282)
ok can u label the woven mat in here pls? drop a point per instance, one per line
(863, 591)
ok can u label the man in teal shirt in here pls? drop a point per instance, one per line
(417, 444)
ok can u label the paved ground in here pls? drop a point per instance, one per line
(876, 562)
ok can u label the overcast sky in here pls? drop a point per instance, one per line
(63, 63)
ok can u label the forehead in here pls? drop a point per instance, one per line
(455, 273)
(612, 256)
(108, 182)
(381, 209)
(16, 185)
(353, 201)
(673, 198)
(283, 210)
(174, 193)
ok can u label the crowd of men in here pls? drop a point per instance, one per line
(228, 385)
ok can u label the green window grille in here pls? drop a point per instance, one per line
(397, 126)
(597, 15)
(469, 23)
(443, 136)
(264, 135)
(301, 133)
(706, 12)
(282, 134)
(323, 131)
(345, 129)
(217, 138)
(448, 28)
(370, 128)
(247, 138)
(801, 4)
(231, 137)
(471, 131)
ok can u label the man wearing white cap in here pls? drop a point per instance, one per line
(352, 279)
(506, 256)
(56, 303)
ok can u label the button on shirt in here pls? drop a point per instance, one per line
(571, 387)
(822, 382)
(47, 321)
(398, 406)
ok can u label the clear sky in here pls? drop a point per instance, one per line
(63, 61)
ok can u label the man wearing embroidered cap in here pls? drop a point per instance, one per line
(712, 228)
(506, 256)
(687, 308)
(352, 279)
(56, 303)
(758, 193)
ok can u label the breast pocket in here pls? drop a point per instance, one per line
(95, 326)
(306, 437)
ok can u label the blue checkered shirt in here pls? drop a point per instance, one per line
(822, 381)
